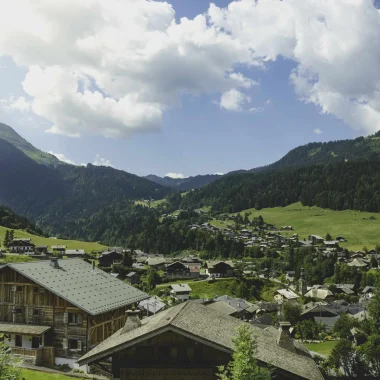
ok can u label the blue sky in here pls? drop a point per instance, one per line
(196, 134)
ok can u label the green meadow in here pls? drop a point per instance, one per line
(38, 240)
(360, 228)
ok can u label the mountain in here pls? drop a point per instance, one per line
(11, 220)
(183, 184)
(361, 148)
(60, 198)
(9, 134)
(339, 186)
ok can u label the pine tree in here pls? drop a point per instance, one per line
(11, 236)
(7, 239)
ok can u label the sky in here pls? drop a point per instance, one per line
(188, 87)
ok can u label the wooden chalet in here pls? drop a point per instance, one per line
(21, 246)
(188, 342)
(108, 258)
(219, 268)
(54, 311)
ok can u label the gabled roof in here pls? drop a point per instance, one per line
(237, 303)
(319, 293)
(211, 328)
(222, 307)
(20, 328)
(93, 291)
(180, 287)
(287, 293)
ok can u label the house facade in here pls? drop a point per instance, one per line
(219, 269)
(22, 246)
(185, 343)
(54, 311)
(180, 292)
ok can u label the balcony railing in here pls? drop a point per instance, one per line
(43, 354)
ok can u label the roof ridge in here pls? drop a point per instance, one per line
(179, 311)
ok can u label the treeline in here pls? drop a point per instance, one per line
(340, 186)
(13, 221)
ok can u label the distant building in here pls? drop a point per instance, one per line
(315, 239)
(72, 253)
(219, 269)
(133, 278)
(180, 292)
(59, 249)
(108, 258)
(285, 295)
(22, 246)
(156, 262)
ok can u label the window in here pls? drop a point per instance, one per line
(73, 344)
(18, 311)
(36, 312)
(18, 341)
(19, 288)
(36, 290)
(74, 318)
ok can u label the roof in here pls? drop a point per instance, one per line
(222, 307)
(287, 293)
(212, 264)
(58, 246)
(237, 303)
(319, 293)
(317, 308)
(152, 304)
(212, 328)
(75, 252)
(14, 328)
(181, 287)
(328, 321)
(155, 261)
(357, 263)
(93, 291)
(131, 274)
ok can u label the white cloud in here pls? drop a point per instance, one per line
(219, 173)
(317, 131)
(100, 161)
(122, 63)
(175, 175)
(256, 109)
(15, 104)
(233, 100)
(62, 158)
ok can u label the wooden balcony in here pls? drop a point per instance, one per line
(43, 355)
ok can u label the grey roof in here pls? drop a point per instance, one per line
(131, 274)
(15, 328)
(210, 327)
(152, 305)
(237, 303)
(180, 287)
(319, 293)
(74, 252)
(93, 291)
(222, 307)
(329, 322)
(368, 289)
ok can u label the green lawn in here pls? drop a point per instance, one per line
(153, 204)
(355, 226)
(28, 374)
(15, 259)
(323, 348)
(71, 244)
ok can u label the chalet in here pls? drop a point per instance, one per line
(59, 249)
(316, 239)
(331, 244)
(177, 270)
(316, 309)
(72, 253)
(21, 246)
(53, 312)
(285, 295)
(189, 341)
(226, 303)
(41, 249)
(108, 258)
(319, 293)
(219, 269)
(151, 305)
(347, 289)
(156, 262)
(368, 291)
(340, 238)
(133, 278)
(180, 292)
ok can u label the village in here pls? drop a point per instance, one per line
(56, 309)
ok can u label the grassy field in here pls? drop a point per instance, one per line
(356, 226)
(71, 244)
(323, 348)
(37, 375)
(153, 204)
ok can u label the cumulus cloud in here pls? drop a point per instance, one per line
(100, 161)
(62, 157)
(233, 100)
(175, 175)
(122, 63)
(219, 173)
(20, 104)
(317, 131)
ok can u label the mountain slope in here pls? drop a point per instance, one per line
(183, 184)
(361, 148)
(9, 134)
(340, 186)
(62, 196)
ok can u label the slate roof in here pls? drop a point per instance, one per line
(210, 327)
(180, 287)
(287, 293)
(319, 293)
(237, 303)
(93, 291)
(15, 328)
(222, 307)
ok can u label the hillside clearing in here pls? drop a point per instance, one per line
(323, 348)
(38, 240)
(360, 228)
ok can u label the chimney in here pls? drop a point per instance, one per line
(133, 321)
(284, 339)
(54, 263)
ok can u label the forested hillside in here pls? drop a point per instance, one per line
(183, 184)
(361, 148)
(58, 198)
(344, 185)
(16, 222)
